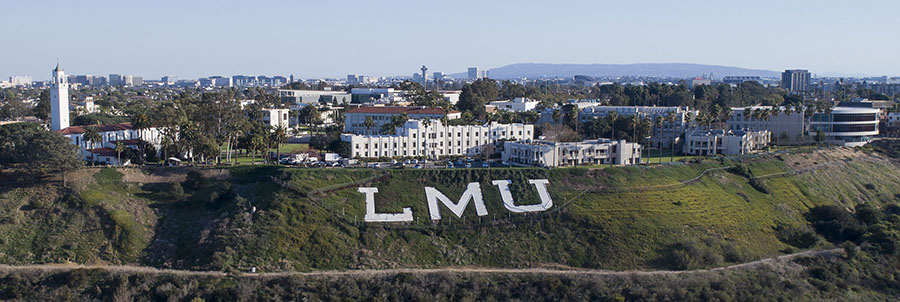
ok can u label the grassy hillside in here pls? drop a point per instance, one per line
(311, 219)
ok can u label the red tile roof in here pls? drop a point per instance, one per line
(399, 110)
(102, 128)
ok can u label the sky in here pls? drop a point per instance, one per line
(333, 38)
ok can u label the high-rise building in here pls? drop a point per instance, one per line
(59, 100)
(475, 73)
(116, 80)
(169, 80)
(20, 80)
(795, 80)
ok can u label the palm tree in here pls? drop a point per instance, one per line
(612, 117)
(671, 118)
(119, 148)
(279, 136)
(369, 123)
(92, 135)
(139, 122)
(427, 122)
(658, 123)
(166, 142)
(635, 122)
(727, 112)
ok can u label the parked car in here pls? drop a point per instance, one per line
(468, 165)
(484, 165)
(418, 166)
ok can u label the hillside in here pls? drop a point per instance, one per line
(310, 219)
(676, 70)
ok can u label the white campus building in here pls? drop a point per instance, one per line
(728, 142)
(893, 119)
(847, 126)
(313, 97)
(663, 135)
(110, 135)
(786, 127)
(416, 139)
(553, 154)
(514, 105)
(355, 119)
(276, 118)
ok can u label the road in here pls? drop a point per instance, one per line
(556, 270)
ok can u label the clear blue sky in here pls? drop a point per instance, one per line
(334, 38)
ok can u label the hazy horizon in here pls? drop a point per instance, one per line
(394, 38)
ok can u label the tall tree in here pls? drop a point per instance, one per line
(139, 122)
(279, 137)
(91, 135)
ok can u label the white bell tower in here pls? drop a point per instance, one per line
(59, 100)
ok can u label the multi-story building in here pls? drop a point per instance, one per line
(418, 138)
(663, 135)
(728, 142)
(553, 154)
(847, 126)
(20, 80)
(476, 73)
(276, 117)
(116, 80)
(110, 136)
(795, 80)
(375, 95)
(314, 97)
(736, 80)
(355, 119)
(786, 127)
(893, 119)
(516, 105)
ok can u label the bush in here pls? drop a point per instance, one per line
(834, 223)
(740, 169)
(801, 238)
(759, 185)
(868, 214)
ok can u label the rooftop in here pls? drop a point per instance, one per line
(102, 128)
(399, 110)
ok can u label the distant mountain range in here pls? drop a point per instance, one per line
(679, 70)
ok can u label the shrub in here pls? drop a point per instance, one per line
(740, 169)
(834, 223)
(759, 185)
(868, 214)
(801, 238)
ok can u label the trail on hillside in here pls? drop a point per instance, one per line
(124, 269)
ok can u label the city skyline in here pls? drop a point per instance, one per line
(311, 40)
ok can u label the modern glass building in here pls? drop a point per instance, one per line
(847, 126)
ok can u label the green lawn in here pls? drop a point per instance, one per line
(243, 158)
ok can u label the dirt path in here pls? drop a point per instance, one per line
(56, 268)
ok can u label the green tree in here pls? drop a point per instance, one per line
(139, 122)
(90, 136)
(279, 137)
(119, 149)
(31, 147)
(369, 123)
